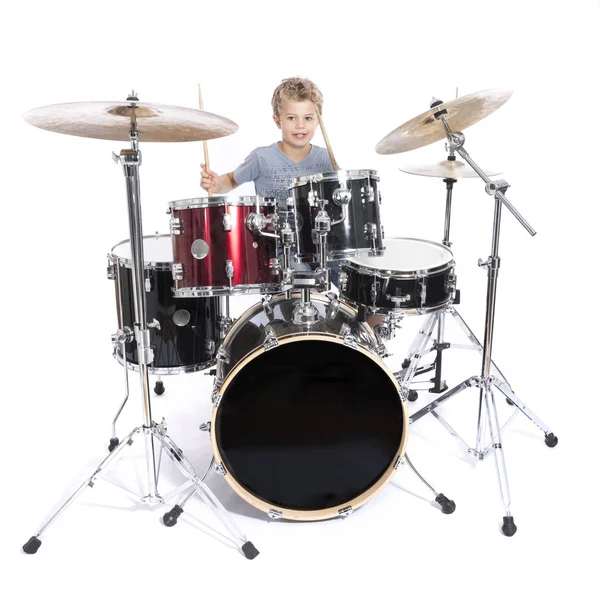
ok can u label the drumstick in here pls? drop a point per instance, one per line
(204, 142)
(336, 167)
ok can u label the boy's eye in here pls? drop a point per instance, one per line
(291, 118)
(309, 118)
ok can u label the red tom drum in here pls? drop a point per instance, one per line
(221, 247)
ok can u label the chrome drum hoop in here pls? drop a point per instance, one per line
(205, 201)
(336, 176)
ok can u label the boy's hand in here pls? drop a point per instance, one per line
(210, 180)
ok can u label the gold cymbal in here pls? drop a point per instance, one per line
(112, 121)
(426, 129)
(448, 169)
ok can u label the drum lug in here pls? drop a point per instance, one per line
(205, 426)
(175, 226)
(343, 284)
(334, 306)
(225, 324)
(266, 304)
(229, 269)
(177, 271)
(371, 232)
(209, 345)
(275, 514)
(423, 284)
(450, 286)
(399, 461)
(215, 397)
(224, 356)
(226, 222)
(345, 512)
(111, 271)
(313, 198)
(349, 339)
(219, 468)
(271, 340)
(367, 194)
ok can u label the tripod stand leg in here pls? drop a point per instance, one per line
(247, 548)
(447, 506)
(33, 544)
(418, 346)
(170, 517)
(550, 439)
(508, 527)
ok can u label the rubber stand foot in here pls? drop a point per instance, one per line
(250, 552)
(159, 388)
(32, 545)
(448, 506)
(114, 442)
(508, 527)
(412, 395)
(170, 518)
(551, 440)
(406, 363)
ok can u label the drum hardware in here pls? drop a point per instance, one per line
(451, 116)
(127, 122)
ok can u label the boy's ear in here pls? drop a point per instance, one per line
(277, 121)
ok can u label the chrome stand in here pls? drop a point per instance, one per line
(131, 159)
(448, 506)
(490, 376)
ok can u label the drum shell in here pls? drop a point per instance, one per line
(177, 348)
(346, 238)
(249, 332)
(356, 286)
(248, 253)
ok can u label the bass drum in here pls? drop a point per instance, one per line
(308, 423)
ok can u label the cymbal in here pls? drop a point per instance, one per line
(112, 121)
(448, 169)
(426, 129)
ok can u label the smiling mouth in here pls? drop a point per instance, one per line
(300, 135)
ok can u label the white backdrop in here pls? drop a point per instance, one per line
(378, 65)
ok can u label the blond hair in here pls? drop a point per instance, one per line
(296, 88)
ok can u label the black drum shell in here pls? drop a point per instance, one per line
(356, 286)
(191, 346)
(345, 238)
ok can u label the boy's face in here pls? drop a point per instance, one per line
(298, 122)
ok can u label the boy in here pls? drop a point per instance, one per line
(272, 168)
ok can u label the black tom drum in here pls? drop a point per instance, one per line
(189, 334)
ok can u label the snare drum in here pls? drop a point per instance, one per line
(308, 423)
(353, 200)
(189, 334)
(218, 250)
(412, 276)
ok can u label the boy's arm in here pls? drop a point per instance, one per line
(227, 183)
(217, 184)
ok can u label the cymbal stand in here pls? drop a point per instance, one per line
(130, 159)
(490, 377)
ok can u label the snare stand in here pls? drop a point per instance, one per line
(131, 159)
(490, 376)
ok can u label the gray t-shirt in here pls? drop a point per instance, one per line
(272, 171)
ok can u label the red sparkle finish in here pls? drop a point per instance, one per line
(249, 252)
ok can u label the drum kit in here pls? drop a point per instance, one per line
(308, 421)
